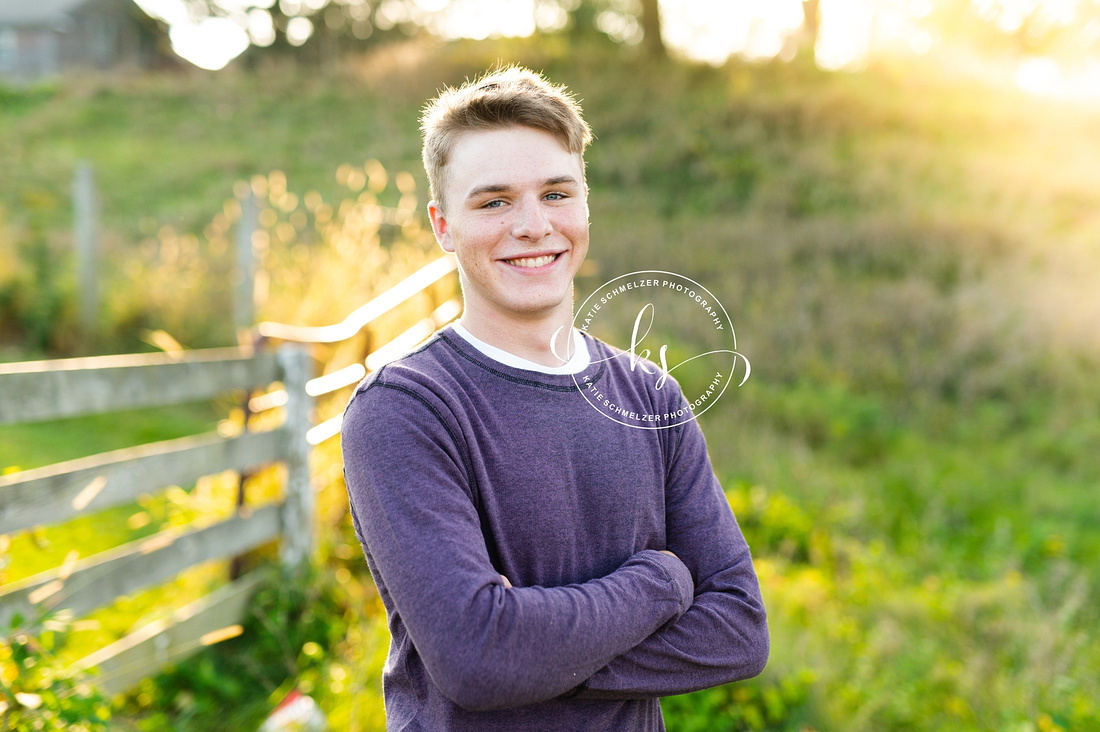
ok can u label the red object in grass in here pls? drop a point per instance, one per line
(295, 713)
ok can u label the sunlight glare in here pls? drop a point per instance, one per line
(844, 38)
(1044, 76)
(298, 30)
(709, 31)
(261, 28)
(620, 27)
(550, 17)
(1010, 15)
(209, 44)
(170, 11)
(920, 8)
(920, 42)
(479, 20)
(712, 32)
(1038, 74)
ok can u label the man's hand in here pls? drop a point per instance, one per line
(666, 551)
(506, 582)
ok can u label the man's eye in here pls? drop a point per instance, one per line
(556, 196)
(496, 203)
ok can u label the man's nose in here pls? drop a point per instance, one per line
(532, 221)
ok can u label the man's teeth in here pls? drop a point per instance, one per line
(533, 261)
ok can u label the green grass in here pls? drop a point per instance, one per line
(909, 260)
(167, 149)
(23, 447)
(29, 446)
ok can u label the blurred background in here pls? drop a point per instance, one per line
(897, 201)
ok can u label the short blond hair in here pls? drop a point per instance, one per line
(507, 97)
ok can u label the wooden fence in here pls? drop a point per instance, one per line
(42, 390)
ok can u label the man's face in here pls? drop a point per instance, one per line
(517, 219)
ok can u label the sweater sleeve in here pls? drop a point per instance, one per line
(484, 646)
(723, 637)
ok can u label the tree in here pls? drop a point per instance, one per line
(811, 23)
(651, 27)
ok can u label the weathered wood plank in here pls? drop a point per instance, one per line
(142, 653)
(57, 492)
(101, 578)
(298, 507)
(424, 277)
(244, 265)
(86, 244)
(32, 391)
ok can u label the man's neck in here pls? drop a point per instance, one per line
(529, 339)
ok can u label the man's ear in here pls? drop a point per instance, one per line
(439, 226)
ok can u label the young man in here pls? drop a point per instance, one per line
(542, 567)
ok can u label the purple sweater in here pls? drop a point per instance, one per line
(461, 469)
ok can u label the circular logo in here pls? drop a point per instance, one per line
(665, 325)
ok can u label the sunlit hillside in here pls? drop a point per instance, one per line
(909, 258)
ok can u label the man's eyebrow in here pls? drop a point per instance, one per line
(504, 188)
(490, 188)
(561, 179)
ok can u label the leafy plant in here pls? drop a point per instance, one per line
(763, 704)
(38, 693)
(294, 623)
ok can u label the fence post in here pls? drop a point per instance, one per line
(85, 225)
(298, 507)
(244, 267)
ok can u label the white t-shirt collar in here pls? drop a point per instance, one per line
(579, 361)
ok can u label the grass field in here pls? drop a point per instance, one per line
(909, 258)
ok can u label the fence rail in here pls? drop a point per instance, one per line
(60, 491)
(126, 662)
(38, 390)
(97, 581)
(415, 283)
(371, 358)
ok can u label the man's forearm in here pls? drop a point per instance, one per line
(723, 637)
(521, 645)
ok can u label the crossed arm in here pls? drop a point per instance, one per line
(508, 583)
(723, 636)
(645, 629)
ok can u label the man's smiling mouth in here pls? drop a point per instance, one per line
(532, 261)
